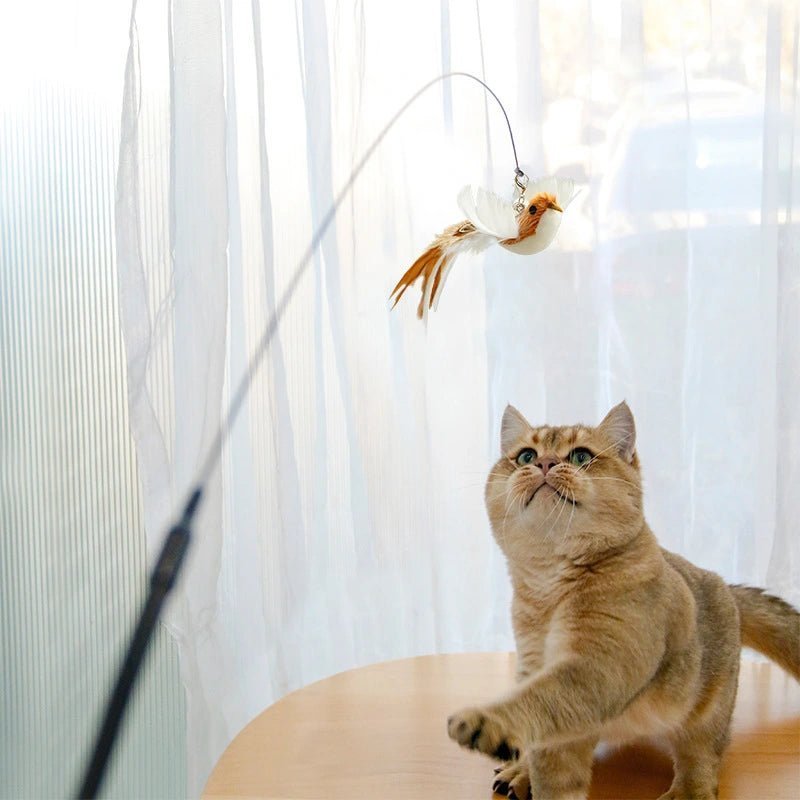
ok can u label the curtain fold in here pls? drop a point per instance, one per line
(345, 523)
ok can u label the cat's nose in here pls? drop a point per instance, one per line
(545, 463)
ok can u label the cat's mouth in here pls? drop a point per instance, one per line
(545, 484)
(563, 496)
(568, 496)
(533, 494)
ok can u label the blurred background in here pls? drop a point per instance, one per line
(162, 168)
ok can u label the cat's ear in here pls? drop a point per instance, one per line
(619, 426)
(513, 426)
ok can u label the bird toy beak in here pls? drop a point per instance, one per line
(555, 207)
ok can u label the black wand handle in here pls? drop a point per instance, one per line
(162, 579)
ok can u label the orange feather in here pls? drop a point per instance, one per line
(431, 265)
(424, 266)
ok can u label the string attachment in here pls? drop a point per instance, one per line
(521, 182)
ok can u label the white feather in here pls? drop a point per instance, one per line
(445, 272)
(545, 233)
(488, 212)
(476, 242)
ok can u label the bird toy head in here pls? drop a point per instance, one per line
(544, 203)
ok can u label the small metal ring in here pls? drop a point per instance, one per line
(521, 182)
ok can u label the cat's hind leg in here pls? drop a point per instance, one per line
(696, 774)
(697, 748)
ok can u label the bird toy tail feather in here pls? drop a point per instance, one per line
(432, 266)
(443, 273)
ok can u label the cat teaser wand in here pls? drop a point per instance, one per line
(490, 217)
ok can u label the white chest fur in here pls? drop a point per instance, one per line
(537, 595)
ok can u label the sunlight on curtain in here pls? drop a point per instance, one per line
(345, 525)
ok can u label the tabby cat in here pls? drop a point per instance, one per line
(617, 639)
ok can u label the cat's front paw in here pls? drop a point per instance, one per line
(481, 729)
(513, 781)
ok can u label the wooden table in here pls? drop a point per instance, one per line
(379, 732)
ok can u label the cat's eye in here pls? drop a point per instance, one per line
(526, 456)
(580, 456)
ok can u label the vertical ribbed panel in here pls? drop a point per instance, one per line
(72, 558)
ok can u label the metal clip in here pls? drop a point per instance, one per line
(521, 182)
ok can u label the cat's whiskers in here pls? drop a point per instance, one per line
(509, 505)
(486, 479)
(520, 499)
(605, 450)
(471, 485)
(571, 513)
(612, 478)
(516, 500)
(563, 504)
(551, 512)
(491, 474)
(512, 485)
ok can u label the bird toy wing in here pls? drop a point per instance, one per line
(527, 226)
(488, 212)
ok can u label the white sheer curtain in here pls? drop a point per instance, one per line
(345, 525)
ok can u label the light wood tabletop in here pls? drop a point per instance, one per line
(379, 731)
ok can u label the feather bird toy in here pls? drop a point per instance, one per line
(526, 226)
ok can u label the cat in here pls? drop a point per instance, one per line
(617, 638)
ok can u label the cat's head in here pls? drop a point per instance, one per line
(571, 491)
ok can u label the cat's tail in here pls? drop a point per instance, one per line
(770, 625)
